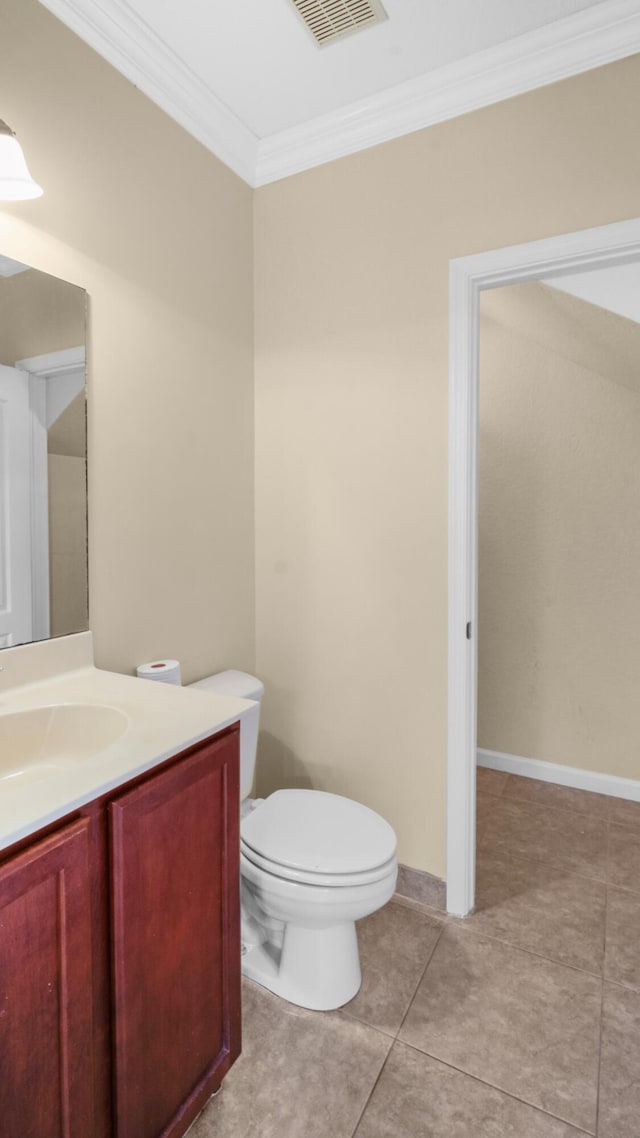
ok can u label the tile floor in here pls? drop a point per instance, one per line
(522, 1021)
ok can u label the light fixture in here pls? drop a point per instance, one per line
(16, 183)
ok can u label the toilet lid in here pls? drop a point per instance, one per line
(316, 832)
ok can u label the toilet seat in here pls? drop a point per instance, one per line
(318, 838)
(328, 880)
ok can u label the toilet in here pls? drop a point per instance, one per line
(312, 864)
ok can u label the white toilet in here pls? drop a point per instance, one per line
(312, 864)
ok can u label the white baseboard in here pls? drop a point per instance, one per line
(566, 776)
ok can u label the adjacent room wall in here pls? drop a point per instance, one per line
(159, 233)
(559, 624)
(352, 263)
(67, 544)
(38, 314)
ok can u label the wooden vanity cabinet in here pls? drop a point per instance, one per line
(175, 877)
(46, 989)
(120, 957)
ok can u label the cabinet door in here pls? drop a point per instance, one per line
(176, 929)
(46, 997)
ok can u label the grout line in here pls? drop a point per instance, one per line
(604, 818)
(628, 827)
(388, 1034)
(484, 847)
(599, 1072)
(621, 986)
(493, 1087)
(395, 1039)
(422, 976)
(421, 907)
(370, 1095)
(557, 809)
(529, 951)
(606, 900)
(604, 959)
(505, 796)
(625, 829)
(613, 884)
(623, 888)
(393, 1035)
(510, 855)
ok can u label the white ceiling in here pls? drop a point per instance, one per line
(247, 79)
(259, 59)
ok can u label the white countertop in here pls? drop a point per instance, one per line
(163, 720)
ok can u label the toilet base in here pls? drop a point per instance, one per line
(314, 968)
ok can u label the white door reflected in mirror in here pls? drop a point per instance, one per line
(43, 499)
(15, 509)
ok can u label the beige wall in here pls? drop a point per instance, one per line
(67, 544)
(559, 624)
(38, 314)
(159, 233)
(351, 422)
(67, 492)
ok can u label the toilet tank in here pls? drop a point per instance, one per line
(243, 686)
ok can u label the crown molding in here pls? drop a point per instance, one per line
(577, 43)
(588, 39)
(127, 41)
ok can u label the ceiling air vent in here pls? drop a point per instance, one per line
(328, 20)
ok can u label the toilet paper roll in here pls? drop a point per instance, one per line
(165, 671)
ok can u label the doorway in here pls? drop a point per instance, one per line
(570, 253)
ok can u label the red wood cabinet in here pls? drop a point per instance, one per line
(165, 957)
(176, 941)
(46, 1000)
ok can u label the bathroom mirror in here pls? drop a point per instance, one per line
(43, 456)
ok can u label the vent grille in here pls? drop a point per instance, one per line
(328, 20)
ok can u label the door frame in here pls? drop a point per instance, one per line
(67, 363)
(552, 256)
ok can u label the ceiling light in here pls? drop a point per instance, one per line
(16, 183)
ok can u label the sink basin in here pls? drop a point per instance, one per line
(43, 740)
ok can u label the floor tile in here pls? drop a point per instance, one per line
(417, 1097)
(484, 808)
(623, 863)
(485, 803)
(624, 812)
(556, 796)
(395, 944)
(622, 956)
(490, 782)
(525, 1025)
(300, 1073)
(573, 841)
(540, 907)
(619, 1113)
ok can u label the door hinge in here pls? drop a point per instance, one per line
(469, 630)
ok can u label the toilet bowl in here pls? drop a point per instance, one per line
(312, 864)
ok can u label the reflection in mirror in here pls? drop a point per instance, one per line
(43, 456)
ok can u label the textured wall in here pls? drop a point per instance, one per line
(67, 544)
(38, 314)
(159, 233)
(352, 264)
(559, 623)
